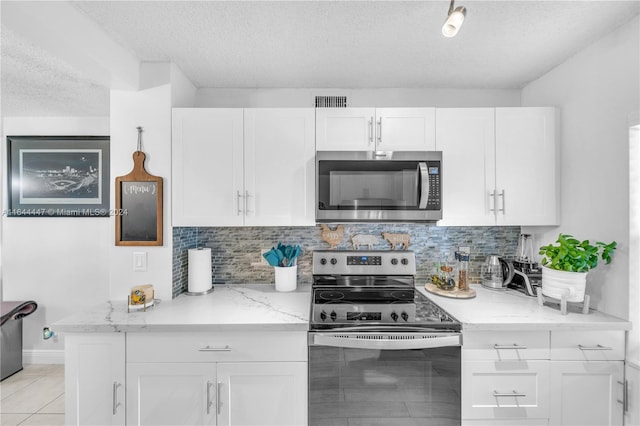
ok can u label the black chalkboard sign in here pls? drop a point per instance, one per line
(139, 203)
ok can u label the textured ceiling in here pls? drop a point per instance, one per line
(323, 44)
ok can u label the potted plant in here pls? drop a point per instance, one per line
(566, 263)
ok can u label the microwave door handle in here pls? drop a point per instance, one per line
(424, 185)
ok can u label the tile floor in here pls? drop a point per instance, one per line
(33, 396)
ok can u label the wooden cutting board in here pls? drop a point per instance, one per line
(455, 293)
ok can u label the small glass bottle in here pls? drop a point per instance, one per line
(463, 270)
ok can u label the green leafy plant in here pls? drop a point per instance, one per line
(570, 254)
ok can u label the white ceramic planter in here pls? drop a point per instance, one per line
(559, 283)
(286, 277)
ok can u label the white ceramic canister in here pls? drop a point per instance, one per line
(286, 277)
(559, 283)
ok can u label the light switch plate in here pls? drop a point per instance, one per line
(139, 261)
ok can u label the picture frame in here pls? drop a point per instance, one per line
(58, 176)
(139, 197)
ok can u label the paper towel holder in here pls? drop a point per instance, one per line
(199, 293)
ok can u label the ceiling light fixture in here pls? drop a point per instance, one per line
(454, 21)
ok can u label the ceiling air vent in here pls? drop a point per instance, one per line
(331, 101)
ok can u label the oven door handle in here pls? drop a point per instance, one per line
(424, 185)
(382, 341)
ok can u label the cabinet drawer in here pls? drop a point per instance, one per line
(505, 345)
(505, 389)
(507, 422)
(217, 346)
(587, 345)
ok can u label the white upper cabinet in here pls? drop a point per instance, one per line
(279, 180)
(381, 129)
(500, 166)
(466, 137)
(235, 167)
(527, 188)
(207, 167)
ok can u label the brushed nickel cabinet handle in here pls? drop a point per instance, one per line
(512, 394)
(238, 196)
(371, 131)
(209, 397)
(219, 349)
(246, 202)
(218, 400)
(493, 194)
(116, 385)
(501, 194)
(595, 348)
(380, 130)
(514, 346)
(625, 396)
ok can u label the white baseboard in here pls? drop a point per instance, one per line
(42, 356)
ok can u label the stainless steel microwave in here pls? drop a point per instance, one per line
(378, 186)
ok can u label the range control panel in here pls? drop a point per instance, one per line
(360, 262)
(358, 314)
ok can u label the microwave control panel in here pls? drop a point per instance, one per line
(434, 197)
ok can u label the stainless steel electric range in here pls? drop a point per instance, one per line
(379, 350)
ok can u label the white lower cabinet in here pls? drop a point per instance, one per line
(94, 379)
(586, 393)
(559, 378)
(505, 389)
(239, 378)
(171, 394)
(269, 393)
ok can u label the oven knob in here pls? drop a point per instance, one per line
(334, 261)
(394, 316)
(394, 261)
(323, 261)
(405, 261)
(333, 315)
(323, 315)
(404, 316)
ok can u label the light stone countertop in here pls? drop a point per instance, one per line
(259, 306)
(512, 310)
(228, 307)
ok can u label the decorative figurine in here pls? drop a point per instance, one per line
(364, 240)
(332, 236)
(397, 239)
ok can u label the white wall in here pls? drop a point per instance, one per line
(150, 108)
(257, 98)
(61, 263)
(596, 90)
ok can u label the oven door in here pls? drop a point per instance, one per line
(384, 378)
(380, 186)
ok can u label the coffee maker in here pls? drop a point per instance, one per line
(527, 273)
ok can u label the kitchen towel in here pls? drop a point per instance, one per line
(199, 278)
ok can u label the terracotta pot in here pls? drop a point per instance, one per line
(558, 283)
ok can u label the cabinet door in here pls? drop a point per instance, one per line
(505, 389)
(585, 393)
(405, 129)
(94, 379)
(264, 394)
(171, 394)
(466, 138)
(279, 166)
(345, 129)
(207, 167)
(527, 166)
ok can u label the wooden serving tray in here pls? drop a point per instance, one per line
(455, 293)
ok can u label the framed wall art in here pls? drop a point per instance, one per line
(58, 176)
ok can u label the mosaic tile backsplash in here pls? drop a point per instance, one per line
(236, 251)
